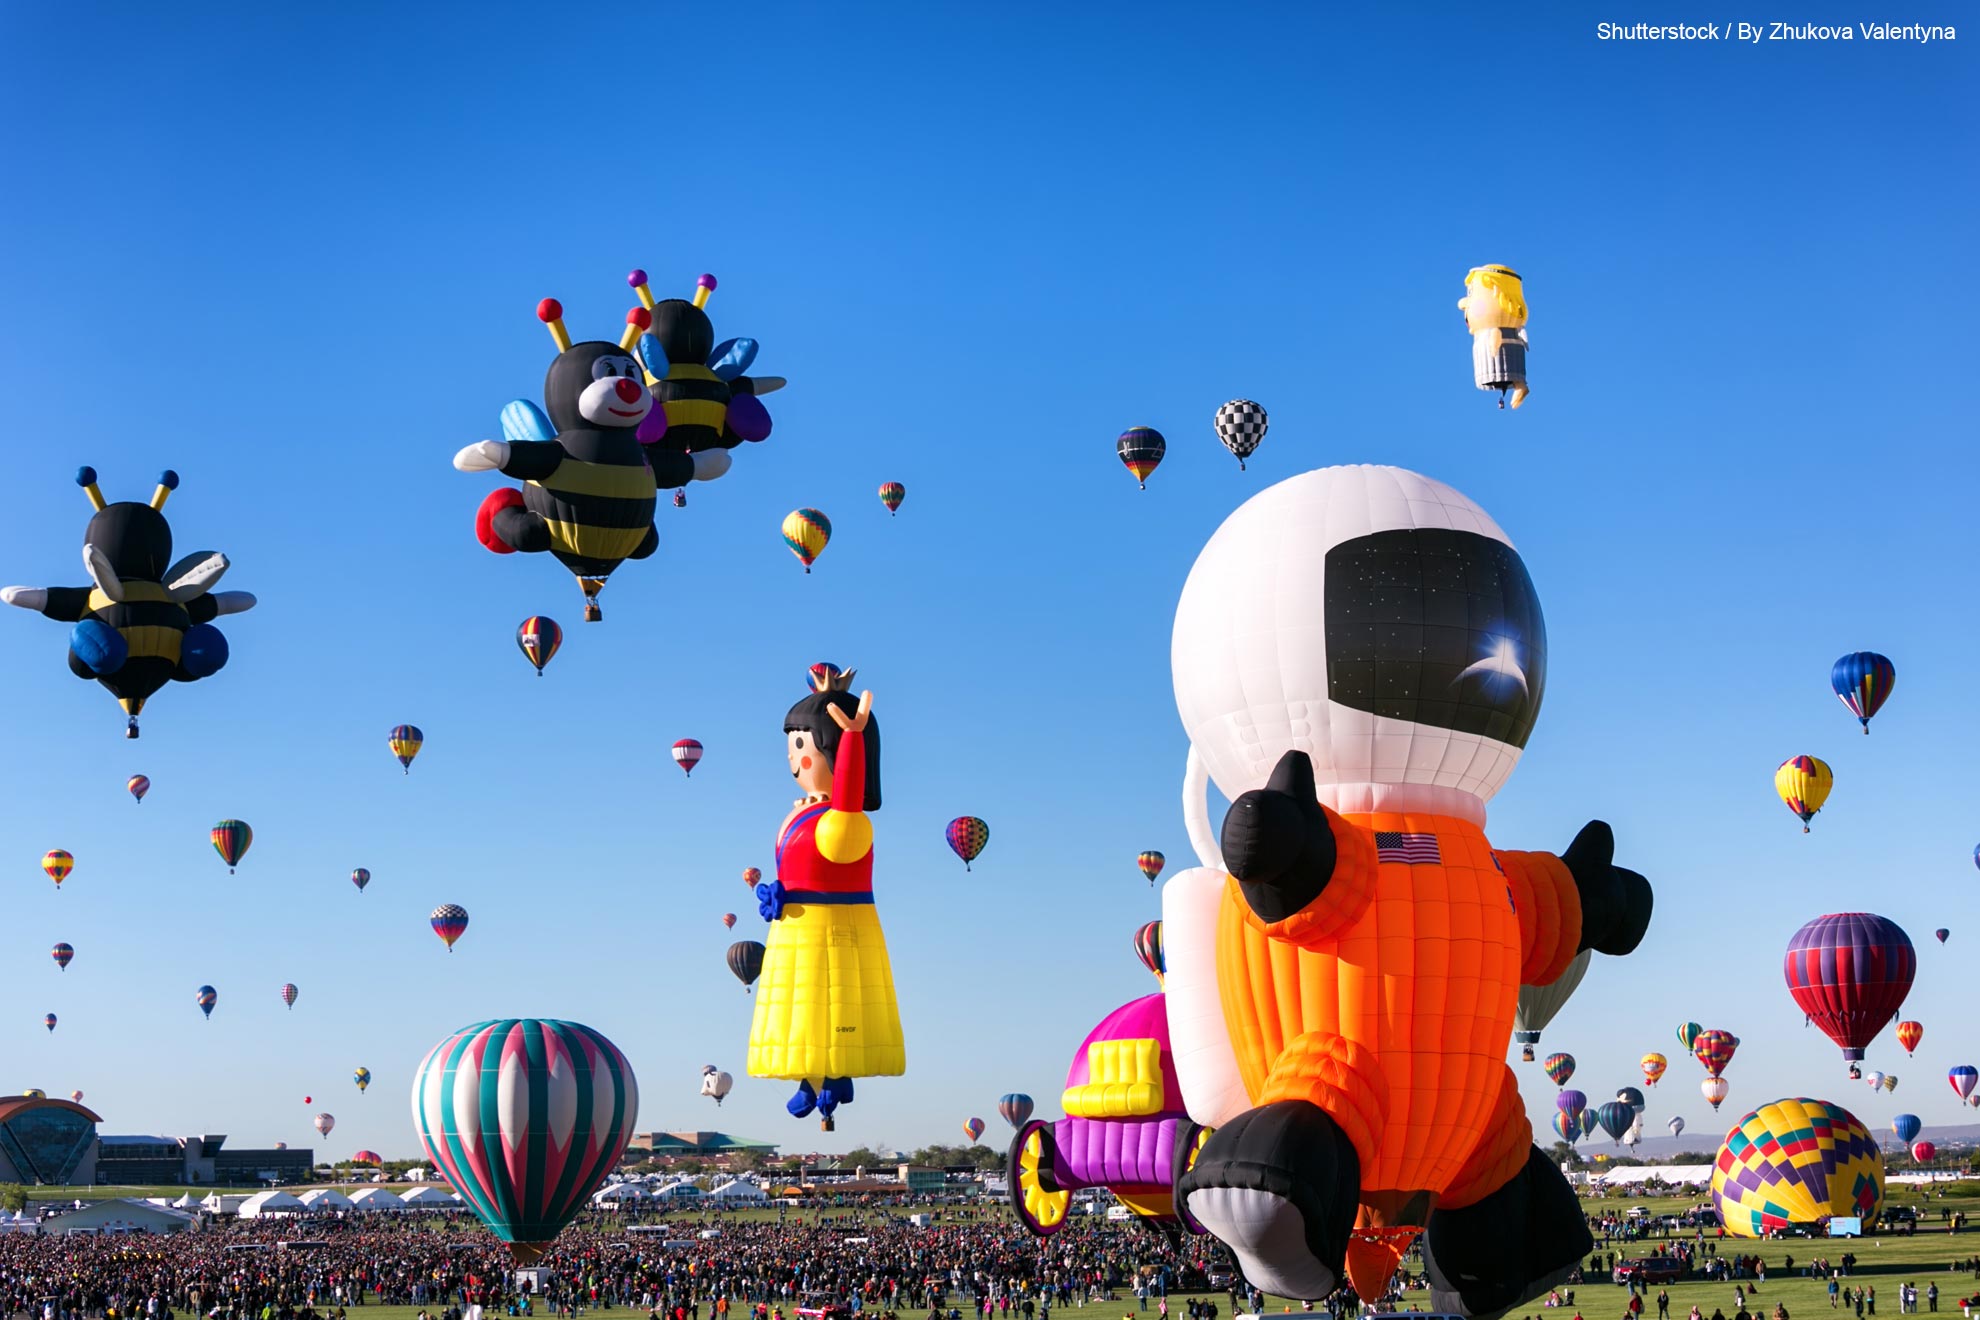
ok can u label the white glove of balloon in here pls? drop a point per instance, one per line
(482, 456)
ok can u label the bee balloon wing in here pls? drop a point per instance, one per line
(732, 357)
(523, 420)
(100, 572)
(653, 357)
(195, 575)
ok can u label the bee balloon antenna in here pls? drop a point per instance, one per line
(551, 313)
(638, 320)
(86, 478)
(168, 481)
(702, 288)
(637, 279)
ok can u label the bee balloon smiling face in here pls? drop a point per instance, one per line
(596, 384)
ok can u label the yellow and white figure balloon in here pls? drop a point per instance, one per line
(525, 1117)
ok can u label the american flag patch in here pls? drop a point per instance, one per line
(1409, 849)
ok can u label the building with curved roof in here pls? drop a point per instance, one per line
(47, 1141)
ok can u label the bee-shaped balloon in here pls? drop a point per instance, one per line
(147, 621)
(708, 402)
(588, 478)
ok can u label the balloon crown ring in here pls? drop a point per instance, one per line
(828, 677)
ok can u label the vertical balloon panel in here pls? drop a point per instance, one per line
(525, 1117)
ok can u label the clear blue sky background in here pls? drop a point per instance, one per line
(295, 256)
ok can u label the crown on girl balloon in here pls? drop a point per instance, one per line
(828, 677)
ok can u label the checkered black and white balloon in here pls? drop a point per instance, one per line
(1241, 426)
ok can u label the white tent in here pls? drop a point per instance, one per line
(120, 1216)
(426, 1196)
(1671, 1175)
(739, 1189)
(620, 1194)
(325, 1198)
(185, 1202)
(221, 1205)
(375, 1198)
(271, 1203)
(677, 1191)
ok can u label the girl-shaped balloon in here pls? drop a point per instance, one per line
(827, 1013)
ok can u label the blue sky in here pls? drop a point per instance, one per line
(295, 256)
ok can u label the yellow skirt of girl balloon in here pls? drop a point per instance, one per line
(825, 1001)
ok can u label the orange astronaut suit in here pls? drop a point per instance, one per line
(1388, 1000)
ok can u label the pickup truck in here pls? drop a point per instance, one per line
(1650, 1269)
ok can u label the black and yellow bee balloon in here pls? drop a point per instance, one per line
(148, 620)
(592, 466)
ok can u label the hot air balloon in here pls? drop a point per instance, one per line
(323, 1124)
(1714, 1049)
(206, 998)
(1890, 1082)
(1151, 864)
(232, 839)
(1653, 1067)
(363, 1079)
(1714, 1090)
(62, 953)
(1940, 934)
(973, 1129)
(1923, 1151)
(687, 755)
(1589, 1122)
(1014, 1109)
(525, 1118)
(1875, 1081)
(360, 877)
(146, 620)
(1148, 948)
(1141, 449)
(1676, 1125)
(1538, 1004)
(138, 785)
(405, 741)
(57, 864)
(1849, 972)
(728, 921)
(1241, 426)
(806, 532)
(715, 1083)
(1567, 1126)
(1632, 1097)
(891, 495)
(538, 638)
(76, 1096)
(1494, 307)
(1796, 1161)
(450, 921)
(370, 1157)
(1909, 1034)
(1615, 1118)
(752, 877)
(746, 961)
(289, 993)
(1962, 1079)
(1804, 783)
(1558, 1067)
(967, 835)
(1907, 1127)
(1688, 1034)
(1571, 1102)
(49, 1021)
(1863, 680)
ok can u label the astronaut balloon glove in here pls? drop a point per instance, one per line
(1277, 842)
(26, 598)
(770, 903)
(1615, 902)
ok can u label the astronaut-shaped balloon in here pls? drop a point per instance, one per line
(147, 620)
(1358, 659)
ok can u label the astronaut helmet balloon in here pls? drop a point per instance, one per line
(1358, 717)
